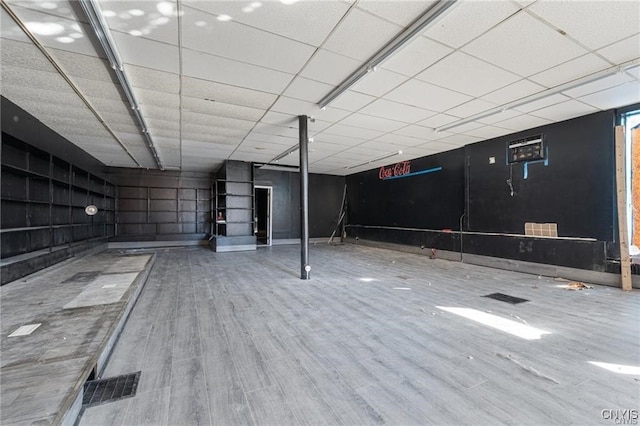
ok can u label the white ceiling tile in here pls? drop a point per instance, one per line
(464, 128)
(416, 56)
(151, 79)
(593, 23)
(147, 21)
(154, 98)
(542, 103)
(462, 139)
(220, 132)
(329, 67)
(396, 111)
(353, 132)
(297, 107)
(523, 122)
(243, 43)
(435, 146)
(24, 55)
(438, 120)
(622, 51)
(420, 132)
(98, 88)
(76, 64)
(352, 101)
(569, 71)
(379, 82)
(564, 111)
(512, 92)
(488, 132)
(9, 30)
(374, 123)
(424, 151)
(473, 107)
(499, 116)
(467, 20)
(36, 79)
(616, 97)
(600, 84)
(521, 44)
(199, 88)
(163, 124)
(147, 53)
(270, 129)
(160, 113)
(335, 139)
(347, 38)
(634, 72)
(215, 122)
(307, 21)
(394, 139)
(454, 71)
(390, 10)
(222, 70)
(221, 109)
(427, 96)
(307, 90)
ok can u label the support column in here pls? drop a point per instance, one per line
(305, 268)
(625, 261)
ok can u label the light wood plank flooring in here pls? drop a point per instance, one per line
(238, 338)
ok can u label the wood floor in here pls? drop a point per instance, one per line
(238, 338)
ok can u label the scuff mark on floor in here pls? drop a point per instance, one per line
(527, 368)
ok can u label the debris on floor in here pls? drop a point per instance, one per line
(577, 285)
(527, 368)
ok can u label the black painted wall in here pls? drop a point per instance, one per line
(575, 190)
(325, 198)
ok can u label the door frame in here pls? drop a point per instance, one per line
(269, 212)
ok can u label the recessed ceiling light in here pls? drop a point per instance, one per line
(224, 18)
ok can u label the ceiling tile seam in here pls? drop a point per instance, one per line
(570, 38)
(46, 54)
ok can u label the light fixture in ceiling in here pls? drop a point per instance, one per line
(417, 27)
(544, 94)
(284, 154)
(383, 157)
(278, 167)
(101, 29)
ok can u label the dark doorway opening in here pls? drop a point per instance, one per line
(263, 215)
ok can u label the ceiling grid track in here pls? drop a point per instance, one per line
(71, 84)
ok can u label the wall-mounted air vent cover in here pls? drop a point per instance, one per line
(526, 149)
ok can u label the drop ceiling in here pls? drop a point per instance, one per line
(219, 80)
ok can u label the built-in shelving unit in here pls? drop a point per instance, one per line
(233, 220)
(44, 199)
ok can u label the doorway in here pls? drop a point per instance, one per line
(263, 197)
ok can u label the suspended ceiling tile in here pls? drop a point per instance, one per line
(296, 107)
(337, 139)
(395, 140)
(107, 105)
(564, 110)
(221, 109)
(163, 124)
(146, 78)
(10, 31)
(160, 113)
(423, 151)
(256, 157)
(396, 111)
(98, 89)
(634, 72)
(222, 70)
(427, 96)
(225, 132)
(524, 45)
(595, 86)
(164, 133)
(34, 79)
(326, 147)
(438, 120)
(213, 122)
(158, 99)
(622, 51)
(58, 32)
(474, 106)
(593, 23)
(307, 90)
(416, 56)
(347, 39)
(282, 141)
(569, 71)
(467, 20)
(512, 92)
(232, 141)
(76, 64)
(60, 8)
(420, 132)
(453, 73)
(389, 10)
(353, 132)
(435, 146)
(379, 82)
(309, 21)
(463, 128)
(373, 123)
(352, 101)
(463, 139)
(329, 67)
(23, 55)
(500, 116)
(147, 53)
(119, 117)
(281, 120)
(615, 97)
(523, 122)
(148, 19)
(199, 88)
(488, 132)
(542, 103)
(243, 43)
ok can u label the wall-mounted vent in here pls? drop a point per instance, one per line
(526, 149)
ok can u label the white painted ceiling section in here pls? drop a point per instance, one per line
(220, 80)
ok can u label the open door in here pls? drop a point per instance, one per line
(263, 198)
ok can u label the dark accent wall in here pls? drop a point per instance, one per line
(161, 205)
(575, 189)
(325, 198)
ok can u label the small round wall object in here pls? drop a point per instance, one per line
(307, 268)
(91, 210)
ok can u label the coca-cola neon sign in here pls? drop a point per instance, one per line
(401, 170)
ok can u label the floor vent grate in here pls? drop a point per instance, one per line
(506, 298)
(112, 389)
(83, 277)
